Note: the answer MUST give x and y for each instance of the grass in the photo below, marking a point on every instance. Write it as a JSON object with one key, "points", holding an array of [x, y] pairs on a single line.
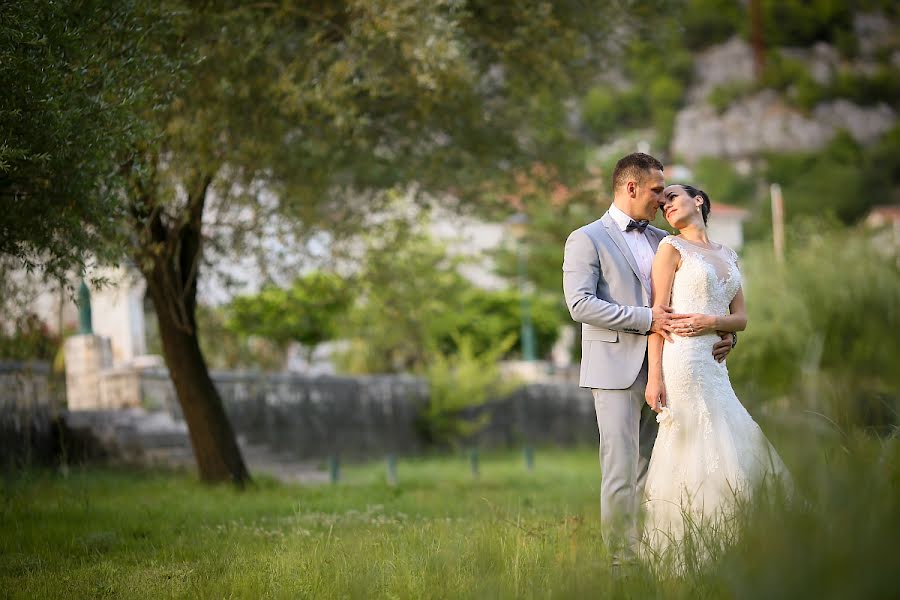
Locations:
{"points": [[437, 534]]}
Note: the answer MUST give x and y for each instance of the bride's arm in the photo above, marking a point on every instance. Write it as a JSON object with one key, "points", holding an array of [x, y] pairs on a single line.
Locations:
{"points": [[665, 263], [697, 324]]}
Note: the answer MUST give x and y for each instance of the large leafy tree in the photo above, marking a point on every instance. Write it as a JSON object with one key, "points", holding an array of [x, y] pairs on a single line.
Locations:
{"points": [[296, 116], [72, 75]]}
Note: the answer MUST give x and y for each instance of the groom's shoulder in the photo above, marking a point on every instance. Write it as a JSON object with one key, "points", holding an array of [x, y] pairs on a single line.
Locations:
{"points": [[585, 238]]}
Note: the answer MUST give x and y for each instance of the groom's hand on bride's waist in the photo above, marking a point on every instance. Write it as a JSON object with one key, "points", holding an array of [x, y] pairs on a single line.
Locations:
{"points": [[662, 321], [723, 346]]}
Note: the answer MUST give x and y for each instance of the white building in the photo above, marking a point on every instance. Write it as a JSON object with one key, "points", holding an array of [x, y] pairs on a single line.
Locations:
{"points": [[726, 225]]}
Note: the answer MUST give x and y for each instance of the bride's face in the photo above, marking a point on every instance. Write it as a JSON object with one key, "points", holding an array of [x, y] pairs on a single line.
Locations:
{"points": [[679, 208]]}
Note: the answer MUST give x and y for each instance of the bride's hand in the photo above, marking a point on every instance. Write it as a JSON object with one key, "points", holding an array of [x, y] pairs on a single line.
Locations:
{"points": [[694, 324], [655, 394]]}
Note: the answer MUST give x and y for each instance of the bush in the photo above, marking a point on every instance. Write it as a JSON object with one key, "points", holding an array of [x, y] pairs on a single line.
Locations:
{"points": [[666, 95], [869, 89], [821, 323], [785, 75], [606, 111], [719, 179], [708, 22], [866, 89], [805, 22], [781, 72], [832, 182], [30, 340], [459, 382], [659, 69], [884, 158], [723, 96], [483, 317]]}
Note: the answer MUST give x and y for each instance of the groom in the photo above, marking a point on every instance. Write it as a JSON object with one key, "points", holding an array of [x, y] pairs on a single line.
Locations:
{"points": [[606, 280]]}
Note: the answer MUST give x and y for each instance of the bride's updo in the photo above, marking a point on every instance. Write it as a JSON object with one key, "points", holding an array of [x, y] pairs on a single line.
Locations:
{"points": [[693, 193]]}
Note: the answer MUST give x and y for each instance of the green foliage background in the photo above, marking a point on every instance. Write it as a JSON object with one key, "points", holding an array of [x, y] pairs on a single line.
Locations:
{"points": [[820, 324], [74, 98]]}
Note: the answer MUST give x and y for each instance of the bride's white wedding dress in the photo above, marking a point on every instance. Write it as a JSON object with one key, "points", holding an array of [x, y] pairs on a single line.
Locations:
{"points": [[709, 450]]}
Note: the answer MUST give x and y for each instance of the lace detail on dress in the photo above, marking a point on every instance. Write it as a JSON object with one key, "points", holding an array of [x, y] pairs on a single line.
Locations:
{"points": [[709, 449]]}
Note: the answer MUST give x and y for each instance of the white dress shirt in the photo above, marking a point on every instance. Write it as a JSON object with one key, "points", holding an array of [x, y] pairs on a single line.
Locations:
{"points": [[637, 243]]}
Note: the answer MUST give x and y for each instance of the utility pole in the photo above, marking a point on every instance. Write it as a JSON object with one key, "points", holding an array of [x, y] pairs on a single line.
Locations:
{"points": [[777, 221], [756, 39]]}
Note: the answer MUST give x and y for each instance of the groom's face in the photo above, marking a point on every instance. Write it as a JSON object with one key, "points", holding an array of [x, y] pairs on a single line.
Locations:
{"points": [[649, 194]]}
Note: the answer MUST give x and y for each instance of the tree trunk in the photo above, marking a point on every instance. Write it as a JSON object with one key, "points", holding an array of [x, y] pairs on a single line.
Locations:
{"points": [[169, 253], [756, 39], [215, 447]]}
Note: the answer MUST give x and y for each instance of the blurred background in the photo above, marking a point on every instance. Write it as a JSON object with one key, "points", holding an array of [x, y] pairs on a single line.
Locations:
{"points": [[303, 229], [270, 243]]}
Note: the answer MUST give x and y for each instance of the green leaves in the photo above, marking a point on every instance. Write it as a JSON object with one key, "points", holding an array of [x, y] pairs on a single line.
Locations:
{"points": [[309, 312], [459, 382], [818, 323], [71, 109]]}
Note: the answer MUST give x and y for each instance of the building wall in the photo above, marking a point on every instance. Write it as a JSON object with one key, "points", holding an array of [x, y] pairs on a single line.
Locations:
{"points": [[726, 230]]}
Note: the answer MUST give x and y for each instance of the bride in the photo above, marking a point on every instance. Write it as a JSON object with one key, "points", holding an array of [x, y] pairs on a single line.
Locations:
{"points": [[709, 452]]}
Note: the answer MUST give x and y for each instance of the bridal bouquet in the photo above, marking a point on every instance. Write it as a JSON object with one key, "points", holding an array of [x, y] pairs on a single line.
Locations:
{"points": [[664, 415]]}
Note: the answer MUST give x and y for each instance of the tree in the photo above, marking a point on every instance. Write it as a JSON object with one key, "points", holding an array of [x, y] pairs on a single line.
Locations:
{"points": [[485, 317], [413, 306], [408, 286], [309, 312], [300, 114], [72, 76], [555, 206]]}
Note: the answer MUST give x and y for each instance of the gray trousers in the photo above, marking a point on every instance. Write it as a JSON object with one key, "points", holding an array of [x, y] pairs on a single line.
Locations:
{"points": [[627, 433]]}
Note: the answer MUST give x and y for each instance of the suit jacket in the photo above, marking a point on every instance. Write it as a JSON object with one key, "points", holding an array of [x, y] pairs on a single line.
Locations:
{"points": [[605, 293]]}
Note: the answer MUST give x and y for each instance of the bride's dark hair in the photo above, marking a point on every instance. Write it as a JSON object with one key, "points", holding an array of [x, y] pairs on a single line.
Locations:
{"points": [[693, 193]]}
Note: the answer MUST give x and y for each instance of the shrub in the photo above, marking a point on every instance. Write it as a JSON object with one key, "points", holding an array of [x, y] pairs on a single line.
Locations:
{"points": [[606, 111], [718, 177], [459, 382], [723, 96], [819, 324], [805, 22], [30, 340], [708, 22], [867, 89]]}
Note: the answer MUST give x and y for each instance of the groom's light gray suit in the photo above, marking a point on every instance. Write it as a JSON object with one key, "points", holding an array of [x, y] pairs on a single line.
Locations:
{"points": [[604, 292]]}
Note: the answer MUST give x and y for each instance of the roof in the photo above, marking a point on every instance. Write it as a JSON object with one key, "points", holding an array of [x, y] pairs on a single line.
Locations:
{"points": [[883, 213]]}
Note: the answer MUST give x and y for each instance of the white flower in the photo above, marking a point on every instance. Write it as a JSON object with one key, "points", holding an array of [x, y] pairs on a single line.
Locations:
{"points": [[663, 415]]}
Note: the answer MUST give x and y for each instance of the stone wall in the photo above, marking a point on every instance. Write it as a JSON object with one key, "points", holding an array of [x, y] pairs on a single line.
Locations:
{"points": [[312, 417], [289, 417], [30, 400]]}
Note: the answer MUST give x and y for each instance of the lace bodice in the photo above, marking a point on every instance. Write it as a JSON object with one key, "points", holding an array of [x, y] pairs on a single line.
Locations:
{"points": [[707, 280]]}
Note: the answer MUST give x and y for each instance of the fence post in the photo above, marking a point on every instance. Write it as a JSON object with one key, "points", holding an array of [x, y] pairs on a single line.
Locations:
{"points": [[392, 469], [529, 458], [334, 468]]}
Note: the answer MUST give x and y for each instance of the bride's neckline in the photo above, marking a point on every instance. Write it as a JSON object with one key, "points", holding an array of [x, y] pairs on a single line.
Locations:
{"points": [[712, 246]]}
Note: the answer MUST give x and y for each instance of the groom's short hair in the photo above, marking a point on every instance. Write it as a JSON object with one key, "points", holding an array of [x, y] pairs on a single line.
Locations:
{"points": [[633, 167]]}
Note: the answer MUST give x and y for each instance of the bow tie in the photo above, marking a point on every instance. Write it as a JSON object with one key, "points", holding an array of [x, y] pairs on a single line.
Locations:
{"points": [[639, 225]]}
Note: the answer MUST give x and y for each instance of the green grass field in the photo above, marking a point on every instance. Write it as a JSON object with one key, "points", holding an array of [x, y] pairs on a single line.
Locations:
{"points": [[437, 534]]}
